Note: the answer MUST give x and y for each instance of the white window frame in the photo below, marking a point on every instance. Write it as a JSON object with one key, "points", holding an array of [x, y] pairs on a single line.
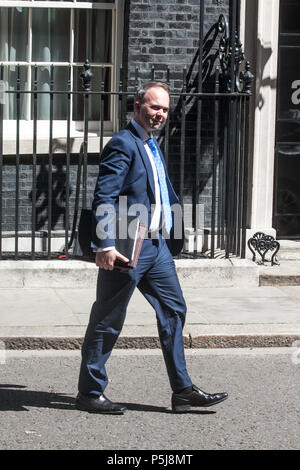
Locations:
{"points": [[59, 127]]}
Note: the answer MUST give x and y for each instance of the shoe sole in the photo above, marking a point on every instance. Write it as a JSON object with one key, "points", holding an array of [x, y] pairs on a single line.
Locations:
{"points": [[95, 411], [183, 408]]}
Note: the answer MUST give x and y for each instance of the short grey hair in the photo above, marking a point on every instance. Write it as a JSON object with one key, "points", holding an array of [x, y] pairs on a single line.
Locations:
{"points": [[144, 87]]}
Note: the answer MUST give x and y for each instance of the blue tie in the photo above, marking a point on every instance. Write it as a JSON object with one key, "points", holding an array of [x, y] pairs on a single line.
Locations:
{"points": [[163, 185]]}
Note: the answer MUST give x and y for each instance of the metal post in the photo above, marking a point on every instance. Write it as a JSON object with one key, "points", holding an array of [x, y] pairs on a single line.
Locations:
{"points": [[86, 76], [215, 160], [50, 163], [18, 99], [245, 182], [120, 101], [67, 211], [34, 159], [1, 160], [182, 140], [167, 128], [199, 112], [102, 109]]}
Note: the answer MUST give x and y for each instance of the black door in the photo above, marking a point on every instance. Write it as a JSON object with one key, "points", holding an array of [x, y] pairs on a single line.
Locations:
{"points": [[286, 218]]}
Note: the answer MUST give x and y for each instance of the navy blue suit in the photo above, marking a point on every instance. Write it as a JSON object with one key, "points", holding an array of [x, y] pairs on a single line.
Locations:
{"points": [[125, 170]]}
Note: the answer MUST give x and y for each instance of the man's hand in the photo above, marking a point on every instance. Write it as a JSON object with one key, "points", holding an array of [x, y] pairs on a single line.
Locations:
{"points": [[106, 259]]}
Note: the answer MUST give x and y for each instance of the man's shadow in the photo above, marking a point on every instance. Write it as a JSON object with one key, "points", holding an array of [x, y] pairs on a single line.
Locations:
{"points": [[161, 409], [17, 398]]}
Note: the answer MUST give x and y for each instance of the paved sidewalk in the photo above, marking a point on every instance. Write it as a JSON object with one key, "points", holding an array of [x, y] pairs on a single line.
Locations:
{"points": [[217, 317], [231, 303]]}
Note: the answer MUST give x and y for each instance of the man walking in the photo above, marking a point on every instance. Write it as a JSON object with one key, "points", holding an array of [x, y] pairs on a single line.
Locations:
{"points": [[132, 167]]}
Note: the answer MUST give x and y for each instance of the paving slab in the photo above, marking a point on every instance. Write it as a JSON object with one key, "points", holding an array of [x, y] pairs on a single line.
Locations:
{"points": [[32, 307], [37, 307]]}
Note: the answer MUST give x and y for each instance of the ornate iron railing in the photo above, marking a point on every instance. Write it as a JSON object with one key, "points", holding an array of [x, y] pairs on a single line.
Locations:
{"points": [[207, 129]]}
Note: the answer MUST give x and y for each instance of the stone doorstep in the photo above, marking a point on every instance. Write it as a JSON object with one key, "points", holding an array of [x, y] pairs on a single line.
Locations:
{"points": [[279, 280], [287, 273], [231, 272], [64, 274], [289, 255], [192, 273]]}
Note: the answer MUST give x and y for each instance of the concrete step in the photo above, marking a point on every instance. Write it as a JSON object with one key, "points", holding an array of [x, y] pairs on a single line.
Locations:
{"points": [[279, 280], [71, 273], [289, 255], [200, 273], [287, 273], [289, 250]]}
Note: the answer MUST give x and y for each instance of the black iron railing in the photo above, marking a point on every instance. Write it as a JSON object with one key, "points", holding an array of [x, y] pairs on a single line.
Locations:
{"points": [[212, 105]]}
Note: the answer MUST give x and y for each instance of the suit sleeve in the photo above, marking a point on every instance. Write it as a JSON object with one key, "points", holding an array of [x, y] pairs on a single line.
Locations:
{"points": [[114, 165]]}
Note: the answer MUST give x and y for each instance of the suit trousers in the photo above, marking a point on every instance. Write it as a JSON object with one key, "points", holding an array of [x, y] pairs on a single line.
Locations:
{"points": [[156, 278]]}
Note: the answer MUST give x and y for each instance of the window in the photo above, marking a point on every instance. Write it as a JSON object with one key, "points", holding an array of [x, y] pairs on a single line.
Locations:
{"points": [[39, 36]]}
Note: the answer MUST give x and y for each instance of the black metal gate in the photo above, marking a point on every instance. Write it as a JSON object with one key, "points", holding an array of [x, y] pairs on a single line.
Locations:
{"points": [[214, 91]]}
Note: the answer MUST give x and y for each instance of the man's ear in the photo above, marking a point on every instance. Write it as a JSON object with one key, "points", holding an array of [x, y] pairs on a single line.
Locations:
{"points": [[137, 106]]}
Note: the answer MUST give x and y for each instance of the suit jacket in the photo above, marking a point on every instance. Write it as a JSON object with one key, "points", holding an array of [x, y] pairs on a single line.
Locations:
{"points": [[126, 182]]}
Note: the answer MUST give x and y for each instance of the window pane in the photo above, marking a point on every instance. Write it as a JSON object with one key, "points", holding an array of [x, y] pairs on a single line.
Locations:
{"points": [[289, 84], [288, 168], [79, 1], [10, 79], [13, 33], [287, 208], [50, 34], [60, 83], [290, 16], [95, 1], [93, 36], [95, 101]]}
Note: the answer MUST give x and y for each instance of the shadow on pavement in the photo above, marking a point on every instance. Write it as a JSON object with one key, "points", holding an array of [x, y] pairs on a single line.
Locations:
{"points": [[18, 398], [159, 409]]}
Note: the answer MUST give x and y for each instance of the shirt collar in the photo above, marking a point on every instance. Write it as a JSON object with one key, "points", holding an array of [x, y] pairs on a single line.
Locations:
{"points": [[141, 131]]}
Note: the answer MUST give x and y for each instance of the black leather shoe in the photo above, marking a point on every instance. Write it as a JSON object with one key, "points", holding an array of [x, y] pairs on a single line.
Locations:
{"points": [[184, 400], [100, 404]]}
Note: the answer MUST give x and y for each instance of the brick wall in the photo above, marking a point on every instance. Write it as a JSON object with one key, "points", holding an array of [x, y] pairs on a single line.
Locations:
{"points": [[59, 178], [165, 33]]}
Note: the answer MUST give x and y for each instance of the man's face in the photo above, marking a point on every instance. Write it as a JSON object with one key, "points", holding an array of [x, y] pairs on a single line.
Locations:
{"points": [[152, 112]]}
